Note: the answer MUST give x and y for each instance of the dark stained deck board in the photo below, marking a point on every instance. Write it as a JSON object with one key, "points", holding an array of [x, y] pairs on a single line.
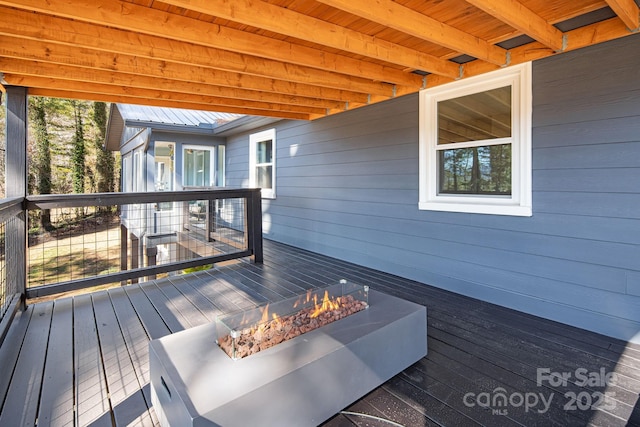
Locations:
{"points": [[183, 305], [9, 353], [495, 376], [24, 391], [223, 297], [57, 388], [189, 288], [474, 347], [91, 393], [136, 340], [153, 324], [125, 390], [226, 296], [171, 316], [528, 361], [258, 294]]}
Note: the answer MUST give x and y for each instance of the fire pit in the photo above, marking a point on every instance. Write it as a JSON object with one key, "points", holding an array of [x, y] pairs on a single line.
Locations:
{"points": [[247, 332], [299, 381]]}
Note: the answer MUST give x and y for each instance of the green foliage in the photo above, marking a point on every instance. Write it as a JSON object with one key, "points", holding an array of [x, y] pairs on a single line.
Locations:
{"points": [[41, 168], [78, 153], [42, 159], [105, 160], [197, 268]]}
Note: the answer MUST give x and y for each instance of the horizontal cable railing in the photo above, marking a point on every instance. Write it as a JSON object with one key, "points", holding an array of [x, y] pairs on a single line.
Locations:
{"points": [[78, 241]]}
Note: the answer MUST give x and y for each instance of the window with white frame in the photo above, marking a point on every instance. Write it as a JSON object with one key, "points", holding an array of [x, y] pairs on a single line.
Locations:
{"points": [[198, 166], [475, 144], [262, 162]]}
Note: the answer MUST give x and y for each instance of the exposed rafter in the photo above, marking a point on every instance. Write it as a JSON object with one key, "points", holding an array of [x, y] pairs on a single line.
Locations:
{"points": [[48, 28], [284, 21], [139, 19], [280, 58], [419, 25], [172, 97], [62, 54], [628, 11], [523, 19], [52, 93]]}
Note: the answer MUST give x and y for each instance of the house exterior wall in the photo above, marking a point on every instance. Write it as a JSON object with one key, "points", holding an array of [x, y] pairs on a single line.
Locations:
{"points": [[180, 139], [141, 220], [348, 188]]}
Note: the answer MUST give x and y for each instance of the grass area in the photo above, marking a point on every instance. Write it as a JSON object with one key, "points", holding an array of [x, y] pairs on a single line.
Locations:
{"points": [[74, 252]]}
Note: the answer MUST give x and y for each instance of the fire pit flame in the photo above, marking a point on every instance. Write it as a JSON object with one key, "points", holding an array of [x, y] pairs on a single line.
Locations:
{"points": [[289, 319], [327, 305]]}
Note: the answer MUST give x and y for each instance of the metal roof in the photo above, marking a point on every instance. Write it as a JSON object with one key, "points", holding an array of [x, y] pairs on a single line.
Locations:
{"points": [[170, 119], [173, 116]]}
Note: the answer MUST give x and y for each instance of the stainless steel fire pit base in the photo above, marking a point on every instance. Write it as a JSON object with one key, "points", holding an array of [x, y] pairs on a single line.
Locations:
{"points": [[300, 382]]}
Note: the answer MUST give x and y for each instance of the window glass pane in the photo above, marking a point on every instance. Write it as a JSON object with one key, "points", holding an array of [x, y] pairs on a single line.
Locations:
{"points": [[476, 170], [263, 176], [197, 168], [138, 176], [479, 116], [164, 171], [219, 179], [127, 174], [264, 151]]}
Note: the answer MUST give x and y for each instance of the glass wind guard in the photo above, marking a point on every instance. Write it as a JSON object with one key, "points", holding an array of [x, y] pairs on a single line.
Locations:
{"points": [[244, 333]]}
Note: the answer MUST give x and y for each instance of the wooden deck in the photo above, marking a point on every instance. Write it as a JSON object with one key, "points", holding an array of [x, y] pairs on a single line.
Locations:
{"points": [[84, 361]]}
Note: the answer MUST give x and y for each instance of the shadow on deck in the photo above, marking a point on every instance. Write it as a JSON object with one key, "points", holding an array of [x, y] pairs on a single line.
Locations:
{"points": [[84, 360]]}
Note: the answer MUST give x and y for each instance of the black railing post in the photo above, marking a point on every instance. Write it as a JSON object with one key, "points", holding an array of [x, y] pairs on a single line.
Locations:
{"points": [[254, 225], [124, 250], [135, 253], [16, 184]]}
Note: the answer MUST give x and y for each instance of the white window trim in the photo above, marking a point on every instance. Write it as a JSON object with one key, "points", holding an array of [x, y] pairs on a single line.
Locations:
{"points": [[519, 203], [267, 193], [171, 166]]}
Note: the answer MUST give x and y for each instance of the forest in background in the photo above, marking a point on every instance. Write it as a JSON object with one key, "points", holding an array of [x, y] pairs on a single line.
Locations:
{"points": [[66, 151]]}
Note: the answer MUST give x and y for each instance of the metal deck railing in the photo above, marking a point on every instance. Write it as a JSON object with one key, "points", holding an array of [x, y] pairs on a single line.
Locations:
{"points": [[92, 240]]}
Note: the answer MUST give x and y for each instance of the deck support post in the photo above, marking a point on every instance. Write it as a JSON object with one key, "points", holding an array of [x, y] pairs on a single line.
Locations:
{"points": [[135, 254], [16, 185], [124, 244], [253, 216], [152, 253]]}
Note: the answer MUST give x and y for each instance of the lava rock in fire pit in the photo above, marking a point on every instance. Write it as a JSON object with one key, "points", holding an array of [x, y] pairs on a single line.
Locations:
{"points": [[267, 334]]}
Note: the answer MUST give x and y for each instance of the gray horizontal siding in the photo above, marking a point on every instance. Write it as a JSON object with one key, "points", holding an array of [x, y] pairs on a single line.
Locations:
{"points": [[347, 186]]}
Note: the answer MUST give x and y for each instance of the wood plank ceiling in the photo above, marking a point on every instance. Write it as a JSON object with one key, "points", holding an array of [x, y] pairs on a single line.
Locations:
{"points": [[297, 59]]}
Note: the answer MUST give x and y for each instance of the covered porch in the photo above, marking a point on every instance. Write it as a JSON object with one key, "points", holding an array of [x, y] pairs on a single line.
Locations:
{"points": [[83, 360], [342, 81]]}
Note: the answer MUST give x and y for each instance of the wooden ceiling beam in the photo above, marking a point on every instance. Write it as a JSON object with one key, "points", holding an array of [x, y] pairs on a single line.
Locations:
{"points": [[98, 88], [70, 73], [515, 14], [401, 18], [147, 21], [280, 20], [85, 96], [579, 38], [628, 11], [60, 54], [45, 28]]}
